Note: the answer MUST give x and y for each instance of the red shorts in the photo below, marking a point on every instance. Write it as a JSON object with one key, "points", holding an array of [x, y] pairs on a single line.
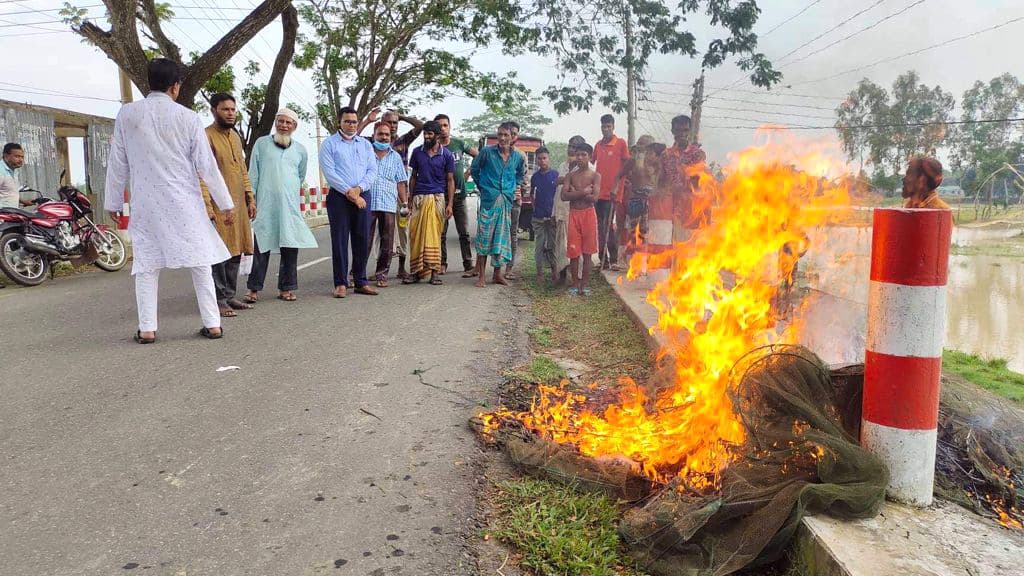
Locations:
{"points": [[582, 233]]}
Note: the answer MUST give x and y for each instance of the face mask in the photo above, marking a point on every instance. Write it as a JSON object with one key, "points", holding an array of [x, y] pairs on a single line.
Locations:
{"points": [[381, 145]]}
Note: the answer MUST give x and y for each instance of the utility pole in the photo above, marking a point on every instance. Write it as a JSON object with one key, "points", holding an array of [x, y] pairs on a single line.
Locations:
{"points": [[319, 138], [696, 104], [630, 78], [126, 86]]}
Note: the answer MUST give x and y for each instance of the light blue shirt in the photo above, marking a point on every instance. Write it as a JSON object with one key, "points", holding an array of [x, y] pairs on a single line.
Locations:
{"points": [[9, 194], [495, 176], [348, 163], [384, 193]]}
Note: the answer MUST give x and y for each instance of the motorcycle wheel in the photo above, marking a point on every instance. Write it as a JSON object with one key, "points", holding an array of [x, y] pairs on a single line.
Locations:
{"points": [[113, 258], [24, 267]]}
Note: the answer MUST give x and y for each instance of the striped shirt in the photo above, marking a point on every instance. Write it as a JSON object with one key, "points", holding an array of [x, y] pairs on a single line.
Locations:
{"points": [[384, 192]]}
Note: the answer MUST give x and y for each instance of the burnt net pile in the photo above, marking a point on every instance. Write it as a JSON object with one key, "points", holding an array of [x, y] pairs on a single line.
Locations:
{"points": [[799, 457]]}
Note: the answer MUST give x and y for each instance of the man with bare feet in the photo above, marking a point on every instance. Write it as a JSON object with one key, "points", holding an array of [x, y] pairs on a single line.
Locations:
{"points": [[579, 190], [498, 170]]}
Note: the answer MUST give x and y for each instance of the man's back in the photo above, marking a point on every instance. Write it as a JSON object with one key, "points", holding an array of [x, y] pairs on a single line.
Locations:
{"points": [[159, 136]]}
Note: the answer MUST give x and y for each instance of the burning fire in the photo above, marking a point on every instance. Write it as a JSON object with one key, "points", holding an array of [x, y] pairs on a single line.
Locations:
{"points": [[715, 306]]}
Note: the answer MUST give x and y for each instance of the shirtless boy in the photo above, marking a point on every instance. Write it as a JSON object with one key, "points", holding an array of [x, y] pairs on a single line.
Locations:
{"points": [[580, 190]]}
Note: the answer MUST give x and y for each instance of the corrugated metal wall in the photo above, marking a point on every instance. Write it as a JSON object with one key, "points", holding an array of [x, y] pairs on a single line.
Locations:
{"points": [[34, 131], [97, 150]]}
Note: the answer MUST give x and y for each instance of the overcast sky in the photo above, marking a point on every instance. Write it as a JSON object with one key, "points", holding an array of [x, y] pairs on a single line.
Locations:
{"points": [[41, 60]]}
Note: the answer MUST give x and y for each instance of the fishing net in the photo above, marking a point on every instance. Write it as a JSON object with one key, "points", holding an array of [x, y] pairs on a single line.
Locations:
{"points": [[801, 456], [979, 460], [798, 458]]}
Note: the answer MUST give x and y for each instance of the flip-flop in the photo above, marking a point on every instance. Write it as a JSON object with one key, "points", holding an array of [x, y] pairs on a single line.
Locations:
{"points": [[436, 282], [250, 299], [288, 298], [205, 333], [469, 274], [141, 340], [410, 281], [382, 283], [228, 313], [236, 305]]}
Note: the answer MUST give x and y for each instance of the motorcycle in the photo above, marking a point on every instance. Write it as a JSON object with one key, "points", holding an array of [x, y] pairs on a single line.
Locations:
{"points": [[58, 230]]}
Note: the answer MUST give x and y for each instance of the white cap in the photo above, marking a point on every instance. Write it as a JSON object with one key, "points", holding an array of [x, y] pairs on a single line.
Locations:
{"points": [[288, 113]]}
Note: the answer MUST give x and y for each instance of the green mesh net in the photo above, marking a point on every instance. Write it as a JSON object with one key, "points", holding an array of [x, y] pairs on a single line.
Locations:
{"points": [[801, 457]]}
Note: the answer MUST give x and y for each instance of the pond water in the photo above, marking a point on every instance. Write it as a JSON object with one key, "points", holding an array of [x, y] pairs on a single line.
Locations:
{"points": [[984, 298]]}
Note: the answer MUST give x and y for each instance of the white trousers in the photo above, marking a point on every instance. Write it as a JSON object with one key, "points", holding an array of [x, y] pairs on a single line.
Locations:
{"points": [[147, 286]]}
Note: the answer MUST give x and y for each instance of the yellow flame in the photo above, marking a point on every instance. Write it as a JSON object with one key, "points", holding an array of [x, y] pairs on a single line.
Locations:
{"points": [[715, 306]]}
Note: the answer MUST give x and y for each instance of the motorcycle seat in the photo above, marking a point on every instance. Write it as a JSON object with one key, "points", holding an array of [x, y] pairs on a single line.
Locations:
{"points": [[20, 212]]}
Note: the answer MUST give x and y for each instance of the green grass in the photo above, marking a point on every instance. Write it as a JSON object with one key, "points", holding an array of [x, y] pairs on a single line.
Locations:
{"points": [[541, 336], [991, 374], [1012, 247], [967, 214], [561, 532], [541, 370], [595, 329]]}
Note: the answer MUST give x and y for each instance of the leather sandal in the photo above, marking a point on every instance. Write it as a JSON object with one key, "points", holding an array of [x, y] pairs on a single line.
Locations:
{"points": [[206, 333]]}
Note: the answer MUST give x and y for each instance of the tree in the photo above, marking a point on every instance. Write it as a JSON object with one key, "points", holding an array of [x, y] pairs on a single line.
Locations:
{"points": [[915, 103], [257, 104], [593, 42], [366, 53], [130, 18], [984, 149], [892, 127], [557, 153], [866, 104], [525, 112]]}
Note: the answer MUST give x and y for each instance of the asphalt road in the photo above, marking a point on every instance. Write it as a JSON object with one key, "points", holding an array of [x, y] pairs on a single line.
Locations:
{"points": [[321, 454]]}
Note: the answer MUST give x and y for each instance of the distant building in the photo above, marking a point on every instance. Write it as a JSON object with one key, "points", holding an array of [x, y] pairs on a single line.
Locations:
{"points": [[43, 132]]}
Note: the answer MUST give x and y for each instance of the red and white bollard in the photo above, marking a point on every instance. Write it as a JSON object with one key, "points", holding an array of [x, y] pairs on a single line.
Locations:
{"points": [[302, 201], [312, 201], [659, 236], [905, 334]]}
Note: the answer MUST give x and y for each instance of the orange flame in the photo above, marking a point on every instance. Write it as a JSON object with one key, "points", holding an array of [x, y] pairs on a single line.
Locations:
{"points": [[715, 306]]}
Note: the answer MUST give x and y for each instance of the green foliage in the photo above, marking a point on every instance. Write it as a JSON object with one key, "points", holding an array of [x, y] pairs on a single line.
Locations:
{"points": [[73, 15], [558, 152], [222, 81], [523, 111], [889, 142], [366, 54], [560, 531], [593, 41], [991, 374], [985, 148], [888, 184]]}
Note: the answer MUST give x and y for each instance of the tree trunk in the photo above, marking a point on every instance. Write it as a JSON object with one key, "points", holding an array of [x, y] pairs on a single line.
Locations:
{"points": [[122, 45], [261, 126]]}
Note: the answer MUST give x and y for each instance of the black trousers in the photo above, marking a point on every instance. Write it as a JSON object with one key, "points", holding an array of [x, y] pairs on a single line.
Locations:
{"points": [[607, 240], [462, 226], [225, 279], [348, 223], [384, 223], [287, 273]]}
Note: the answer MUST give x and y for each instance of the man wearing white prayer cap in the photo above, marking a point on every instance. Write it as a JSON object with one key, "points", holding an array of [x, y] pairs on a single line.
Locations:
{"points": [[277, 170]]}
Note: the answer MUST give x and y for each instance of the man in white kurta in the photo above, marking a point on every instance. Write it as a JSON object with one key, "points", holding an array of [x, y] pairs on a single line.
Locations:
{"points": [[158, 150]]}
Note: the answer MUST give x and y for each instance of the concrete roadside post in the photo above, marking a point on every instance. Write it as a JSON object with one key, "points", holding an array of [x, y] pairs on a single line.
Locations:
{"points": [[905, 335], [657, 246]]}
